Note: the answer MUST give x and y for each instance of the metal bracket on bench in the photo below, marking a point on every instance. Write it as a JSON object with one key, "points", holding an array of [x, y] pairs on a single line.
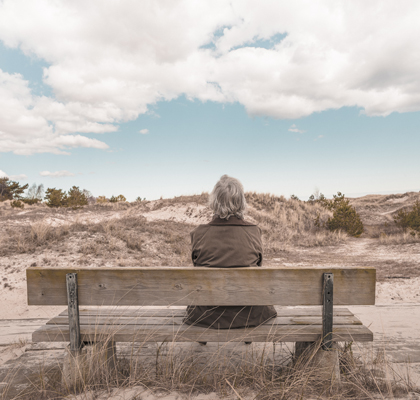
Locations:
{"points": [[73, 306], [327, 310]]}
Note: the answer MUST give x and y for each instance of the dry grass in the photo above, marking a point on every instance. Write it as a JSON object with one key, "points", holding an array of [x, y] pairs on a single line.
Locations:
{"points": [[226, 369], [288, 222], [182, 200], [156, 243], [399, 238]]}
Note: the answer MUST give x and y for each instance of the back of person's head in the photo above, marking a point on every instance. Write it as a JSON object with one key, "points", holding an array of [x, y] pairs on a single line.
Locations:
{"points": [[228, 198]]}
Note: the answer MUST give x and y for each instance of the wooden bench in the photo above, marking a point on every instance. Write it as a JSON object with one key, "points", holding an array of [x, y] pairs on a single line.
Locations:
{"points": [[113, 289]]}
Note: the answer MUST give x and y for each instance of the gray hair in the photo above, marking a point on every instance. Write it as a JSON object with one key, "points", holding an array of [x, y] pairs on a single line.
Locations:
{"points": [[228, 198]]}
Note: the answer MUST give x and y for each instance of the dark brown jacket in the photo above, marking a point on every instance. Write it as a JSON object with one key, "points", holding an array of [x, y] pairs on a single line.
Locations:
{"points": [[227, 244]]}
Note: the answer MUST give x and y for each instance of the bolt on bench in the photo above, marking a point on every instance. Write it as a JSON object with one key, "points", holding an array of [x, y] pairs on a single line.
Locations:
{"points": [[113, 289]]}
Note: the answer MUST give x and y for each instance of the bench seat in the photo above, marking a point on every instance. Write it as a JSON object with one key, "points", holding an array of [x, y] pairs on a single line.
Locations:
{"points": [[296, 324]]}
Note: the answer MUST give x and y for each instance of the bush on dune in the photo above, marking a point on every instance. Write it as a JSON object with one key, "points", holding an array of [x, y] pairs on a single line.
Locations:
{"points": [[76, 198], [409, 219], [101, 200], [11, 190], [56, 197], [17, 204], [344, 216], [117, 199]]}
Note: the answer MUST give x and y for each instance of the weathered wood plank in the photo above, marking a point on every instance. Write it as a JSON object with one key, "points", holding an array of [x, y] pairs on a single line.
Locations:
{"points": [[198, 285], [141, 321], [265, 333], [121, 311], [159, 312]]}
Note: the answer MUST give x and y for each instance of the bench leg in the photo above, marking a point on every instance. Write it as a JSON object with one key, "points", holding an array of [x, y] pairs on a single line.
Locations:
{"points": [[93, 363], [303, 350], [323, 365], [74, 369]]}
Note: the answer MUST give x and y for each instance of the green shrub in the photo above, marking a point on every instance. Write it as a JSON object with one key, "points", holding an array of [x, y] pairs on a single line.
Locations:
{"points": [[56, 197], [17, 204], [76, 198], [409, 219], [101, 200], [10, 190], [114, 199], [317, 198], [344, 216], [30, 201]]}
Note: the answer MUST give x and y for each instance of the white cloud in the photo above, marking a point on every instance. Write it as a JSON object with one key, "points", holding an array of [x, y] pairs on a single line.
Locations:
{"points": [[31, 124], [57, 174], [294, 128], [108, 61], [144, 131], [319, 137], [20, 177]]}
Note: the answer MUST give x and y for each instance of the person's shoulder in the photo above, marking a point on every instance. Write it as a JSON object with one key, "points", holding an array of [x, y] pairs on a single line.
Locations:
{"points": [[254, 228], [200, 230]]}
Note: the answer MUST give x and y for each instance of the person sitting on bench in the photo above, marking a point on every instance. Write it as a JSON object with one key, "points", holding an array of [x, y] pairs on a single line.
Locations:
{"points": [[227, 241]]}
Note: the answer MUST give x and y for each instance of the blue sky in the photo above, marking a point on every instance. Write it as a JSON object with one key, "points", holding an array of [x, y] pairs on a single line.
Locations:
{"points": [[234, 101]]}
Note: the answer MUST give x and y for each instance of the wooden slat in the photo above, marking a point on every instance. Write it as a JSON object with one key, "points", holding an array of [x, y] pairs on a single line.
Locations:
{"points": [[199, 285], [120, 311], [131, 333], [141, 321], [159, 312]]}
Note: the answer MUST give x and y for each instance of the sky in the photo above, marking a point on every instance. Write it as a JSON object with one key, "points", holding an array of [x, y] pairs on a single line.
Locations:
{"points": [[159, 98]]}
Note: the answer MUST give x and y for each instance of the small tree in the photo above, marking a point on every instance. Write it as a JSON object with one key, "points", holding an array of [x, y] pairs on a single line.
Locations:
{"points": [[114, 199], [56, 197], [317, 198], [344, 217], [10, 190], [101, 200], [17, 204], [409, 219], [76, 198]]}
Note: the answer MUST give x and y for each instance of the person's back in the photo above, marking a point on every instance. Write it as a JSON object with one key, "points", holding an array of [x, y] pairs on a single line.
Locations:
{"points": [[228, 241]]}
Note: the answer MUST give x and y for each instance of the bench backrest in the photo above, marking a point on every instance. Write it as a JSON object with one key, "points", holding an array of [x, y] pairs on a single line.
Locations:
{"points": [[162, 286]]}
